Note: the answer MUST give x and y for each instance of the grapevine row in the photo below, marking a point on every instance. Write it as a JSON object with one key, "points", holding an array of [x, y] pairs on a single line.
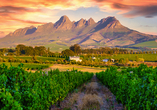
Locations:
{"points": [[134, 87], [22, 90]]}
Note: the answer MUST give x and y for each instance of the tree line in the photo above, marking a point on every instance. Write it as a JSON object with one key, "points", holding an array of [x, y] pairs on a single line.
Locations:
{"points": [[76, 50], [73, 50]]}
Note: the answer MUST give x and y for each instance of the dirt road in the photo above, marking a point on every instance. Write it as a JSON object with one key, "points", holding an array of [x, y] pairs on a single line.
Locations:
{"points": [[90, 96]]}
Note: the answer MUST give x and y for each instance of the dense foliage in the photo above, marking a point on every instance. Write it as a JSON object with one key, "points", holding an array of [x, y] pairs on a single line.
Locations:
{"points": [[134, 87], [20, 89]]}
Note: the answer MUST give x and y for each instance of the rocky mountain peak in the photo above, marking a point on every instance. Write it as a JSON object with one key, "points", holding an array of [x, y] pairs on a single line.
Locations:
{"points": [[63, 23], [81, 22], [64, 19], [109, 22], [90, 21], [108, 19]]}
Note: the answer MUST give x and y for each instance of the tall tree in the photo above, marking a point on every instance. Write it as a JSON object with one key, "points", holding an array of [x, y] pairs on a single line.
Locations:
{"points": [[29, 51], [48, 51], [67, 53], [76, 48], [20, 49]]}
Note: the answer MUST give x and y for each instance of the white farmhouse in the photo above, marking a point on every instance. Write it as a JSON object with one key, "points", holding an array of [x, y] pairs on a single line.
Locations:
{"points": [[75, 58]]}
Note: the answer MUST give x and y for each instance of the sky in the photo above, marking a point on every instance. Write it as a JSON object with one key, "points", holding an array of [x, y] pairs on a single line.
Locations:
{"points": [[140, 15]]}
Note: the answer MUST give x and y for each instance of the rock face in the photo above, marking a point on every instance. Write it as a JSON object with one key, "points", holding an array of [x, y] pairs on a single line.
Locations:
{"points": [[108, 31], [45, 27], [90, 21], [80, 23], [63, 23], [24, 31]]}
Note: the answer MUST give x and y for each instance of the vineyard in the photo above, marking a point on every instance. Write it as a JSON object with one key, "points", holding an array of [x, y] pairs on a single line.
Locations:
{"points": [[134, 87], [22, 90]]}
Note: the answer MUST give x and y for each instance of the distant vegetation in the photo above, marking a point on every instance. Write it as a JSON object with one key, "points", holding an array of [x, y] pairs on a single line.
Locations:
{"points": [[27, 66], [41, 55]]}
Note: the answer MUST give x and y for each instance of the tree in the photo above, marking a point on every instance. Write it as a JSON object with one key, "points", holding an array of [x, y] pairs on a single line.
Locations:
{"points": [[75, 48], [41, 50], [29, 51], [127, 61], [131, 52], [67, 53], [34, 58], [137, 59], [20, 49], [48, 51]]}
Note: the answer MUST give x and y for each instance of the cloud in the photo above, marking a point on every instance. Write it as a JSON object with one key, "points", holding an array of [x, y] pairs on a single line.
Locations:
{"points": [[129, 8], [36, 3], [7, 10], [146, 26], [146, 11], [12, 9], [10, 13], [28, 21], [2, 34], [120, 6]]}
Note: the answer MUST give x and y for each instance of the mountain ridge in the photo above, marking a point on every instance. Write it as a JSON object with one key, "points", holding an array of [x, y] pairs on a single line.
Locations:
{"points": [[88, 33]]}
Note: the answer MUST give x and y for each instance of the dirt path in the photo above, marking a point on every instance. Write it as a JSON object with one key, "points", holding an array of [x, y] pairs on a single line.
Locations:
{"points": [[90, 96]]}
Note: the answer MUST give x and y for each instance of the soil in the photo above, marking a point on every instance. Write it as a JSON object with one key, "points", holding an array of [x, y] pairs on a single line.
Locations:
{"points": [[92, 95]]}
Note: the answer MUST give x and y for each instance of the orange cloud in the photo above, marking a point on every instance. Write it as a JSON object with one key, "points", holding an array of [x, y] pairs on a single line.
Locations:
{"points": [[2, 34], [131, 8]]}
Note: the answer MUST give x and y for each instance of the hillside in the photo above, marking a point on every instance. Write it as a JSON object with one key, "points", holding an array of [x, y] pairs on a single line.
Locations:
{"points": [[87, 33]]}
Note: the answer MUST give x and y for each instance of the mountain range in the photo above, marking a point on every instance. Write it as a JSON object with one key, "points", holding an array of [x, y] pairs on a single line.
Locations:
{"points": [[87, 33]]}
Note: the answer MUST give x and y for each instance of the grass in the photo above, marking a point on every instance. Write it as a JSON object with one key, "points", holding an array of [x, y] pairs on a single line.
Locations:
{"points": [[92, 88], [90, 101], [55, 47], [27, 65], [147, 57], [149, 44], [30, 57]]}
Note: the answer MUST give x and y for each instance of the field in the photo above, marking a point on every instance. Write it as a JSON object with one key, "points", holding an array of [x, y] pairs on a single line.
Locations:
{"points": [[147, 57], [56, 47], [30, 57], [149, 44], [76, 67], [28, 65]]}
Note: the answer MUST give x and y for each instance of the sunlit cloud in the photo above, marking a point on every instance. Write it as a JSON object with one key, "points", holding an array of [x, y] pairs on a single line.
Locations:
{"points": [[2, 34]]}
